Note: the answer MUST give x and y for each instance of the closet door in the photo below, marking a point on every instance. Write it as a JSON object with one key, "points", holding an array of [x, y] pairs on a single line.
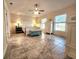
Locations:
{"points": [[72, 43], [71, 39], [73, 35]]}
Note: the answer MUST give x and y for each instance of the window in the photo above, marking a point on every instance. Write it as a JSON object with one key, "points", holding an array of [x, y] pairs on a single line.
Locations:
{"points": [[60, 23], [43, 21]]}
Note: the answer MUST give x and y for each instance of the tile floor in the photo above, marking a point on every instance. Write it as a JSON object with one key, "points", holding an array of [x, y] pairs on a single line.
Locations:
{"points": [[41, 47]]}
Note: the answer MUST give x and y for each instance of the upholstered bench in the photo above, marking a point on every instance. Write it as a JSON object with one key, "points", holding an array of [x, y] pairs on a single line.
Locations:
{"points": [[34, 33]]}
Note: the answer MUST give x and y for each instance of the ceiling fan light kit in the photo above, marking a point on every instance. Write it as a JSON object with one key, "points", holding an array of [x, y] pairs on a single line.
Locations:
{"points": [[36, 12]]}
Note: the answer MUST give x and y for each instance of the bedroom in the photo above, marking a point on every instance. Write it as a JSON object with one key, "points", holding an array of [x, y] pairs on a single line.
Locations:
{"points": [[42, 24]]}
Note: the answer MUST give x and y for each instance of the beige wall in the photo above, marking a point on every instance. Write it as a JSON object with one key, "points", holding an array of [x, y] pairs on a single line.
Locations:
{"points": [[70, 10], [6, 27], [26, 21], [13, 20], [4, 37]]}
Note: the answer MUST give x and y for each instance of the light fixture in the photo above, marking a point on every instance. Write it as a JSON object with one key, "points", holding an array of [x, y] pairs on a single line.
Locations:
{"points": [[18, 23], [36, 8], [36, 12]]}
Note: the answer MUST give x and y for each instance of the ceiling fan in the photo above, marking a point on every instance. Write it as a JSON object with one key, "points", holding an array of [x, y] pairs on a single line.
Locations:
{"points": [[36, 11]]}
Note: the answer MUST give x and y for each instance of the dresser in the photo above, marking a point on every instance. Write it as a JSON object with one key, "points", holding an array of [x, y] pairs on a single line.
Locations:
{"points": [[19, 30]]}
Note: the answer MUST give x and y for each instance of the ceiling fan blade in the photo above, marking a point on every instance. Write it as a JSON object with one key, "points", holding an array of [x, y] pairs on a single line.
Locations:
{"points": [[41, 10], [30, 10]]}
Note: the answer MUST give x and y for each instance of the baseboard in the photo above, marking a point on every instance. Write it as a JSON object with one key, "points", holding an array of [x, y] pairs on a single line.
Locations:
{"points": [[4, 50]]}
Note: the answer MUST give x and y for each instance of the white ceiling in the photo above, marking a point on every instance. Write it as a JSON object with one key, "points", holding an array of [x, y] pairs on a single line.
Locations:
{"points": [[22, 6]]}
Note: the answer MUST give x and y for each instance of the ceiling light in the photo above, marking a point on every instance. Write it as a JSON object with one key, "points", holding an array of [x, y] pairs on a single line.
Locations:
{"points": [[36, 12], [36, 8]]}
